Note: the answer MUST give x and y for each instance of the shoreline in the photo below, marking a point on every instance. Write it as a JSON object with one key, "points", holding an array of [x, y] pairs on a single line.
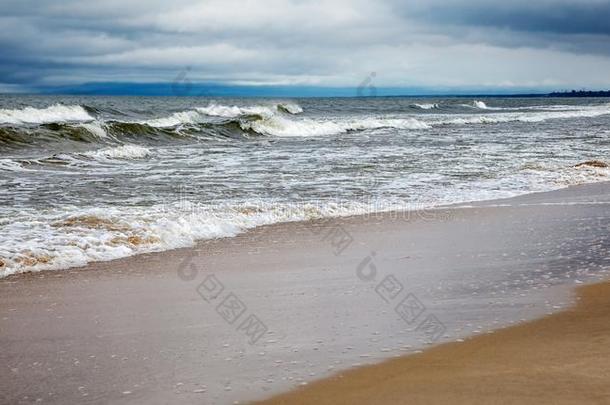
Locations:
{"points": [[402, 214], [559, 359], [452, 372], [137, 329]]}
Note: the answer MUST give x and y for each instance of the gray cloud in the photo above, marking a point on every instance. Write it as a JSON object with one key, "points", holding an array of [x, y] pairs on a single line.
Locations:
{"points": [[553, 16], [453, 43]]}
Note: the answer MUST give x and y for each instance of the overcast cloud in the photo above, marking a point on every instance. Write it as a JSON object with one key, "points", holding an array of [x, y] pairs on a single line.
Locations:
{"points": [[436, 44]]}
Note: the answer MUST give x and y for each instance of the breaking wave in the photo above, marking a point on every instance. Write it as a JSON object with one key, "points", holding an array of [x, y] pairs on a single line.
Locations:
{"points": [[290, 108], [538, 116], [62, 240], [59, 239], [11, 165], [120, 152], [281, 127], [479, 104], [78, 203], [21, 128], [52, 114], [425, 106], [179, 118], [199, 114]]}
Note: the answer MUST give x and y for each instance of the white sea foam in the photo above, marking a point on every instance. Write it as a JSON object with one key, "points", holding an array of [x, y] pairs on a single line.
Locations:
{"points": [[215, 110], [271, 122], [548, 174], [375, 123], [425, 106], [11, 165], [120, 152], [283, 127], [57, 113], [95, 128], [554, 107], [537, 116], [55, 239], [179, 118], [60, 240], [199, 114], [290, 108], [479, 104]]}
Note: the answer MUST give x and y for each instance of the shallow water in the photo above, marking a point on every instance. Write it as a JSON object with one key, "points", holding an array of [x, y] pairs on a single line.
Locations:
{"points": [[96, 178]]}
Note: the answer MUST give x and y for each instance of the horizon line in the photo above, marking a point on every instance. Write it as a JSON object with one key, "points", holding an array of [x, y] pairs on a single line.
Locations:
{"points": [[188, 89]]}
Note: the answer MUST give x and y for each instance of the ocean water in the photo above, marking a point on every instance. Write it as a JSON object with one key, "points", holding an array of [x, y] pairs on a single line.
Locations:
{"points": [[97, 178]]}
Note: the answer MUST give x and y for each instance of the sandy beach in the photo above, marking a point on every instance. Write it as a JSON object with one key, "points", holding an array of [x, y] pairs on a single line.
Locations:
{"points": [[304, 202], [560, 359], [313, 299]]}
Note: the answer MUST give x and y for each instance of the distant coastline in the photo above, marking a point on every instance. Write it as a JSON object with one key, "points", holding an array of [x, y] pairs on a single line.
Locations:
{"points": [[581, 93]]}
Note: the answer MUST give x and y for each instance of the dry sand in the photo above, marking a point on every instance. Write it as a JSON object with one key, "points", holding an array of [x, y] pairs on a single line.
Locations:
{"points": [[561, 359]]}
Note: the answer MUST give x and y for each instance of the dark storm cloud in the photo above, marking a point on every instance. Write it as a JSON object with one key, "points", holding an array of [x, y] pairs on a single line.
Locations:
{"points": [[455, 43], [560, 17]]}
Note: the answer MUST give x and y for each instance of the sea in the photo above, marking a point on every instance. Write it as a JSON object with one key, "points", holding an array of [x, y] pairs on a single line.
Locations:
{"points": [[96, 178]]}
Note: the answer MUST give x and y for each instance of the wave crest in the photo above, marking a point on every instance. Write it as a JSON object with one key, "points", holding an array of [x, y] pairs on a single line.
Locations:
{"points": [[495, 118], [289, 108], [425, 106], [120, 152], [64, 240], [479, 104], [282, 127], [57, 113], [199, 114]]}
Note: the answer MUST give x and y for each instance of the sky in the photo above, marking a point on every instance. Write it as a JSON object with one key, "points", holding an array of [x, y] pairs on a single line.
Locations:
{"points": [[414, 45]]}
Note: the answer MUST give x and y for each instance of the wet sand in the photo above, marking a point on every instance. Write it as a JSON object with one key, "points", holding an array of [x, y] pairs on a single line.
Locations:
{"points": [[560, 359], [145, 330]]}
